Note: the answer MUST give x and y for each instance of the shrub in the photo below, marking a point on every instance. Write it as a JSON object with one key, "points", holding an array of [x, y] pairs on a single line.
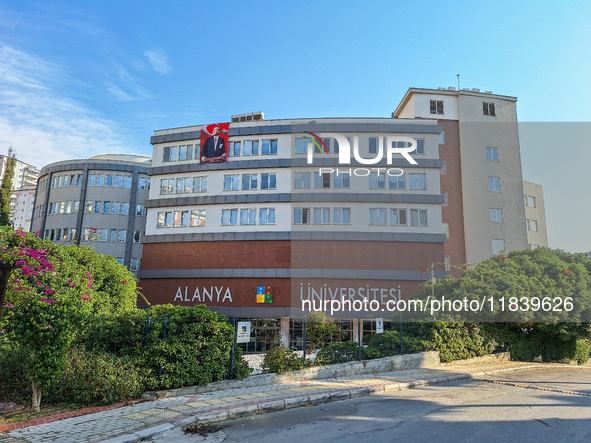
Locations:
{"points": [[280, 359], [458, 340], [370, 353], [338, 353], [97, 378], [321, 329], [196, 349], [582, 352], [388, 343], [14, 383]]}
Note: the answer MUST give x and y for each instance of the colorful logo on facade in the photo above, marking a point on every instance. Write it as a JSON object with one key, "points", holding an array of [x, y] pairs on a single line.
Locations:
{"points": [[317, 141]]}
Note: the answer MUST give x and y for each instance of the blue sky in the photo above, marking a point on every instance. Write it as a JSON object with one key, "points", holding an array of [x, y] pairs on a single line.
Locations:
{"points": [[79, 79]]}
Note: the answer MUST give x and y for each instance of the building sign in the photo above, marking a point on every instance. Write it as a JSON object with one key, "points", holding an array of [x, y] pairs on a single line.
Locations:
{"points": [[214, 143], [243, 332], [264, 294], [219, 294], [379, 325]]}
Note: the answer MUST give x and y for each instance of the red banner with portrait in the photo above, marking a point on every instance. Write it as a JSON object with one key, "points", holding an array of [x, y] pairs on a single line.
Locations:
{"points": [[214, 143]]}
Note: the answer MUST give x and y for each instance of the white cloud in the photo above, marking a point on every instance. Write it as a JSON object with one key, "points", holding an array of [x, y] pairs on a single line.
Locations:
{"points": [[43, 125], [159, 61]]}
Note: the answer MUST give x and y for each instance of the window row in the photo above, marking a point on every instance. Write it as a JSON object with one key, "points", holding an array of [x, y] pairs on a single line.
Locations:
{"points": [[88, 234], [112, 207], [118, 181], [377, 216], [179, 219], [249, 182], [412, 181], [183, 185], [65, 207], [235, 149], [332, 145], [529, 200], [248, 216], [62, 181]]}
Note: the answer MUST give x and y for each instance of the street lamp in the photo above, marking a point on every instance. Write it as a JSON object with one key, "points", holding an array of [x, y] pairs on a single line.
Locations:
{"points": [[5, 270]]}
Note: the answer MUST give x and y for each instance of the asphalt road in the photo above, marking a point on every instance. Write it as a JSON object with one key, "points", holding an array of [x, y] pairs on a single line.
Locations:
{"points": [[492, 409]]}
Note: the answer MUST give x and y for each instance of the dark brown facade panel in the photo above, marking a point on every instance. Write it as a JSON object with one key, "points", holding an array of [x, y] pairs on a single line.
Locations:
{"points": [[328, 254], [451, 183]]}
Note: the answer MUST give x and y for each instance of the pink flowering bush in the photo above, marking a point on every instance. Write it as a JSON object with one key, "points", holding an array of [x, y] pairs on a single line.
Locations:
{"points": [[53, 293]]}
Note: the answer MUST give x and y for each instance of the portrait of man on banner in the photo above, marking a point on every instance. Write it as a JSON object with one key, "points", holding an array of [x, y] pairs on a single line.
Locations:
{"points": [[214, 143]]}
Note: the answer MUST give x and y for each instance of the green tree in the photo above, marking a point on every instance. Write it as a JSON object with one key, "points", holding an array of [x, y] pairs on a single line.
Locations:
{"points": [[321, 330], [537, 302], [6, 188], [52, 294]]}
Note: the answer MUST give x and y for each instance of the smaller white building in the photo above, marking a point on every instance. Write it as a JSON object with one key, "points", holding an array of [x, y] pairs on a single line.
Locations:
{"points": [[22, 208]]}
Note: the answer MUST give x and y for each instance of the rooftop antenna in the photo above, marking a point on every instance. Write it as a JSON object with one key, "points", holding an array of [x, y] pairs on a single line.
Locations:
{"points": [[458, 76]]}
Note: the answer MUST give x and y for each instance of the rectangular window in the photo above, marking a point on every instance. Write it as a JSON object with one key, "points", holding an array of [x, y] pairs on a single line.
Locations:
{"points": [[124, 208], [139, 209], [65, 235], [321, 216], [231, 182], [134, 264], [417, 181], [62, 207], [397, 181], [198, 217], [447, 262], [180, 219], [235, 148], [121, 235], [420, 146], [166, 186], [267, 216], [161, 221], [248, 216], [492, 154], [533, 225], [103, 234], [249, 181], [342, 216], [251, 147], [498, 246], [183, 185], [229, 217], [322, 180], [120, 260], [107, 208], [436, 106], [127, 182], [66, 180], [100, 180], [197, 151], [142, 183], [494, 184], [301, 216], [488, 109], [115, 207], [301, 146], [418, 217], [269, 147], [268, 181], [373, 145], [531, 201], [199, 184], [398, 216], [377, 216], [98, 207], [137, 236], [118, 181], [109, 180], [185, 152], [92, 180], [342, 180], [76, 207], [496, 215], [301, 180], [377, 180]]}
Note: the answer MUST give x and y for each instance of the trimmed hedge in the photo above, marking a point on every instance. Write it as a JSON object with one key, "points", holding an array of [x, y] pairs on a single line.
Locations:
{"points": [[196, 349], [280, 359]]}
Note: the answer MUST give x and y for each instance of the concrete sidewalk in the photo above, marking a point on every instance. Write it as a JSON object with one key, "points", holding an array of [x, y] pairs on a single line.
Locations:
{"points": [[145, 419]]}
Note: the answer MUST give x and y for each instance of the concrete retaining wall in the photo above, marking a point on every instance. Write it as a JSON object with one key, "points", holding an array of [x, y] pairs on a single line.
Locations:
{"points": [[428, 359]]}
